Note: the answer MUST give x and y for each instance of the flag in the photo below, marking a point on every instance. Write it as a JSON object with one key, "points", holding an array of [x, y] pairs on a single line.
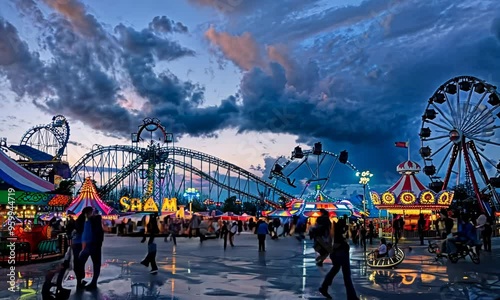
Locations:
{"points": [[402, 144]]}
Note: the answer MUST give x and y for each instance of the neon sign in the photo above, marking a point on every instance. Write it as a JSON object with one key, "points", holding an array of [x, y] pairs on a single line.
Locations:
{"points": [[135, 204]]}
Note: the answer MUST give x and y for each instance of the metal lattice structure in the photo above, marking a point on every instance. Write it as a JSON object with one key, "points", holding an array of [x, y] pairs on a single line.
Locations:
{"points": [[50, 138], [319, 163], [119, 168], [459, 127]]}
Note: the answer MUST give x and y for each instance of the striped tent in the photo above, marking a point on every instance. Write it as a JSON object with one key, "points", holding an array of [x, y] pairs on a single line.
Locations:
{"points": [[20, 178], [88, 197]]}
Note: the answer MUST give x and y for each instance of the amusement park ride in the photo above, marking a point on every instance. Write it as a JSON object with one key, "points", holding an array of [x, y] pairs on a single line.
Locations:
{"points": [[457, 142], [154, 165], [458, 137], [42, 150], [319, 163]]}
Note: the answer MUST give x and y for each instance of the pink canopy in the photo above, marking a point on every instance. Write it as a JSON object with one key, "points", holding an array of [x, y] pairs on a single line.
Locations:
{"points": [[20, 178], [88, 197]]}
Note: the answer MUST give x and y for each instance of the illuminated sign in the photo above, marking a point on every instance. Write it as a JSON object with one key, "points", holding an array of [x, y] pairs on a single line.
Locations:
{"points": [[135, 204]]}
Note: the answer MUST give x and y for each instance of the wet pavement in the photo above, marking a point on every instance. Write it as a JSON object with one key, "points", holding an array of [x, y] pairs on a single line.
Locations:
{"points": [[286, 271]]}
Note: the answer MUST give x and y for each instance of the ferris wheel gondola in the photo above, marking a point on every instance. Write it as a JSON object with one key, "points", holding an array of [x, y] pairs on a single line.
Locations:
{"points": [[458, 131]]}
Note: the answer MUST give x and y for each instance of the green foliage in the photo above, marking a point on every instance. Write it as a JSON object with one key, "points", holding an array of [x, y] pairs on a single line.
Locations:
{"points": [[250, 208], [65, 187], [198, 206], [231, 206]]}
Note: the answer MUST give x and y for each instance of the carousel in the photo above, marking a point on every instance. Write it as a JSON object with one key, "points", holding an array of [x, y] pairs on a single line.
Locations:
{"points": [[408, 197]]}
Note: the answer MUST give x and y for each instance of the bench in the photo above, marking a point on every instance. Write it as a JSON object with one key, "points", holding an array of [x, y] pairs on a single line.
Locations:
{"points": [[48, 247]]}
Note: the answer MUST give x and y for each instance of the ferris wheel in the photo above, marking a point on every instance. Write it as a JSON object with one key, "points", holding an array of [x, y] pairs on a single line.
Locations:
{"points": [[459, 141], [320, 165]]}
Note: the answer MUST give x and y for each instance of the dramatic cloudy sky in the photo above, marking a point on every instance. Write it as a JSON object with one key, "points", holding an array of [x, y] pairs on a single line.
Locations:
{"points": [[242, 80]]}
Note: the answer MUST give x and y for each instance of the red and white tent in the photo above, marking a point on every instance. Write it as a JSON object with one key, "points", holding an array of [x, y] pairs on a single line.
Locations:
{"points": [[409, 195], [408, 181]]}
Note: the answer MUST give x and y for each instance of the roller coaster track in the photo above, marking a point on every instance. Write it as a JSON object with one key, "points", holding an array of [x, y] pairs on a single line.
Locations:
{"points": [[165, 155]]}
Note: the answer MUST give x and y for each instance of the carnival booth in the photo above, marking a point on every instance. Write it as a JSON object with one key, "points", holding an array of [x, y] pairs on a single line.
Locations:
{"points": [[409, 198]]}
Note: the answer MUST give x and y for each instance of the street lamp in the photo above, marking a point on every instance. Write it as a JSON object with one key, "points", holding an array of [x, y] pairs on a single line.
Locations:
{"points": [[364, 178]]}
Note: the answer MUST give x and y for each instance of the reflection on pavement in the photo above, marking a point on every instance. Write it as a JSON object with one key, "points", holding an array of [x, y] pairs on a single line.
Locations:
{"points": [[286, 270]]}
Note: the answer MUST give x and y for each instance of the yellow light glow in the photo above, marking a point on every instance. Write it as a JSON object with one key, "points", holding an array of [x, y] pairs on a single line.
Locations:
{"points": [[427, 197], [375, 198], [407, 198], [388, 198]]}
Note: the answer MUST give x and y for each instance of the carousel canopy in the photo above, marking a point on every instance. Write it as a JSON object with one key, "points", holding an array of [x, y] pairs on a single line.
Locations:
{"points": [[20, 178], [88, 197], [408, 195]]}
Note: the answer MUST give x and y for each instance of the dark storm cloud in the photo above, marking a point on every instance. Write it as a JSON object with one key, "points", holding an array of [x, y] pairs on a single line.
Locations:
{"points": [[18, 64], [495, 28], [376, 66], [164, 25], [356, 75], [145, 42], [89, 67]]}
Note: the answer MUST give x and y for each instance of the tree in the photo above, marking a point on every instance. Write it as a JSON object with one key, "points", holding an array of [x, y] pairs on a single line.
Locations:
{"points": [[65, 187], [250, 208], [231, 206], [197, 205]]}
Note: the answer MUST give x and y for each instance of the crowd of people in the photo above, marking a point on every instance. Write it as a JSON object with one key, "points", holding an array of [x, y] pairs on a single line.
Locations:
{"points": [[330, 239]]}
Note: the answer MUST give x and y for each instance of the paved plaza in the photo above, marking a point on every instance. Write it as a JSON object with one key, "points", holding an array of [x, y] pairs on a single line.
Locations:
{"points": [[286, 271]]}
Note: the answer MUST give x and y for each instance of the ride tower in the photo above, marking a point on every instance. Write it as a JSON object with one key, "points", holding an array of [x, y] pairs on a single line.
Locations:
{"points": [[156, 173]]}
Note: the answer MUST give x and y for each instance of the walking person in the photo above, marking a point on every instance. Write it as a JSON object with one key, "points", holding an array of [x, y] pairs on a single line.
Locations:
{"points": [[421, 228], [486, 234], [224, 231], [92, 238], [371, 232], [173, 229], [76, 247], [232, 233], [150, 258], [322, 237], [195, 225], [396, 228], [262, 231], [340, 259], [240, 226], [362, 236]]}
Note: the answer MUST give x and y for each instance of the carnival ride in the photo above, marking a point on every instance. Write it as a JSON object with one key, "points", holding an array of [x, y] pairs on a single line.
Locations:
{"points": [[155, 165], [320, 165], [457, 133], [408, 196], [42, 149], [385, 262]]}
